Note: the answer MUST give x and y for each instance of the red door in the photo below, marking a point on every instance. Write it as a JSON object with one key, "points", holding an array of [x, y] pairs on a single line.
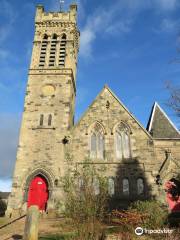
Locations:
{"points": [[38, 193]]}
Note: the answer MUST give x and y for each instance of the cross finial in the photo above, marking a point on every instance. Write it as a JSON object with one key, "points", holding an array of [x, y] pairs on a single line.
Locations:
{"points": [[61, 2]]}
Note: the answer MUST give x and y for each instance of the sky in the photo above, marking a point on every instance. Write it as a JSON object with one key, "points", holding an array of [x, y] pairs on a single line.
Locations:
{"points": [[131, 45]]}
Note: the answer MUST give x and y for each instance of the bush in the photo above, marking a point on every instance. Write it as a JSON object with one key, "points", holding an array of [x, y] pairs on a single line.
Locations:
{"points": [[85, 203], [156, 213]]}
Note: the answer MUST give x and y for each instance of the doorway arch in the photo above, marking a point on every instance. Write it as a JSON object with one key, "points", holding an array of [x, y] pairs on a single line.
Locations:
{"points": [[38, 192]]}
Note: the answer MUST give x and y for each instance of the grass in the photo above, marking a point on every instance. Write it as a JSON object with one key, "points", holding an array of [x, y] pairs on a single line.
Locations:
{"points": [[66, 236], [3, 220]]}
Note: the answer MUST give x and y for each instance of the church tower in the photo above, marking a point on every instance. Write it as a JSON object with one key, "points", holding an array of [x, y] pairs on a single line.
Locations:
{"points": [[48, 109]]}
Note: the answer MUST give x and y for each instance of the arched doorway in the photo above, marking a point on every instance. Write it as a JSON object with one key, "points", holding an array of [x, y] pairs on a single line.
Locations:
{"points": [[38, 192]]}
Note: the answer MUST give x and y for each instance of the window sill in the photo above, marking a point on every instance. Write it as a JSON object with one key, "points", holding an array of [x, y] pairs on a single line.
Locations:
{"points": [[52, 128]]}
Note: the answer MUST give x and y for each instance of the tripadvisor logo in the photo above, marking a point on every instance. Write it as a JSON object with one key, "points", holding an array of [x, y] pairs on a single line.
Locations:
{"points": [[139, 231]]}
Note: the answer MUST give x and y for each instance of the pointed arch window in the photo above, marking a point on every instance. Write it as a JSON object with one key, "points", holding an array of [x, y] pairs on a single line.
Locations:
{"points": [[43, 51], [52, 55], [122, 142], [97, 142], [140, 186], [126, 186], [62, 51], [111, 187]]}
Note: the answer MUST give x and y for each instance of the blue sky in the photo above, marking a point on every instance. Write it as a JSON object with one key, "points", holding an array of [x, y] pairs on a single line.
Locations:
{"points": [[130, 45]]}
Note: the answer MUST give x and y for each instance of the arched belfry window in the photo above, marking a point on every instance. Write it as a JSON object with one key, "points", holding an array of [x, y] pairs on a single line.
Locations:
{"points": [[140, 186], [97, 142], [122, 142], [52, 55], [62, 51], [43, 52], [125, 186]]}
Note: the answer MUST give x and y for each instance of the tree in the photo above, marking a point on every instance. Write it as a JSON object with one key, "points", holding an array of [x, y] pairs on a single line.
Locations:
{"points": [[174, 99], [85, 198]]}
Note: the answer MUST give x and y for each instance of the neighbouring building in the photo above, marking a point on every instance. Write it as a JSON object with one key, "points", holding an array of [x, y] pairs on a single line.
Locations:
{"points": [[138, 160]]}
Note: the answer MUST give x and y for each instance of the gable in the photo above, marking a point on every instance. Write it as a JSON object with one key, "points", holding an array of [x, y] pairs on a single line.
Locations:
{"points": [[108, 103], [160, 126]]}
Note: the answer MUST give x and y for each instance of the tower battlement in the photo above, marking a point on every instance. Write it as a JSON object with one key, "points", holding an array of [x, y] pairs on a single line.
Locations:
{"points": [[69, 16]]}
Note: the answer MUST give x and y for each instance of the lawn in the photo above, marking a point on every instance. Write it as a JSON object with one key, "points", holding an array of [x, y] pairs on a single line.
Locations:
{"points": [[56, 237], [3, 220]]}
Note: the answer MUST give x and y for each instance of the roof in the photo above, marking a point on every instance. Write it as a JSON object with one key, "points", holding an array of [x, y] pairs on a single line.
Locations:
{"points": [[4, 195], [159, 124]]}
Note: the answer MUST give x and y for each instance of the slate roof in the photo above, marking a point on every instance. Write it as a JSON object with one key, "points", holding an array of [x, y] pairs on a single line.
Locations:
{"points": [[4, 195], [159, 124]]}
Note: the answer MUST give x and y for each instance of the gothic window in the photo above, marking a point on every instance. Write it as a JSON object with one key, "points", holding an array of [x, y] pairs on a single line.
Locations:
{"points": [[97, 142], [62, 51], [49, 120], [125, 186], [122, 142], [111, 188], [52, 55], [140, 186], [41, 120], [43, 51], [96, 186]]}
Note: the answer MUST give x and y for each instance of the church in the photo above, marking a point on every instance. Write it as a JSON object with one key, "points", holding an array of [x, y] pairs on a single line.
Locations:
{"points": [[138, 161]]}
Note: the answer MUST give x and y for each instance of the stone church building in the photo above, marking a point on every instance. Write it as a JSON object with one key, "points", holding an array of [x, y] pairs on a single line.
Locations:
{"points": [[138, 160]]}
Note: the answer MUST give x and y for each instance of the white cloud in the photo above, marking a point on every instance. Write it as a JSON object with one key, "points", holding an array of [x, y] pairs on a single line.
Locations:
{"points": [[8, 15], [119, 18], [87, 37], [4, 54], [167, 5], [103, 21], [5, 185], [169, 25], [9, 130], [119, 27]]}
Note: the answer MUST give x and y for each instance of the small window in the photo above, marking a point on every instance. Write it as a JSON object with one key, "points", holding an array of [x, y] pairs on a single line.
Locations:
{"points": [[140, 186], [125, 186], [49, 120], [41, 120], [111, 188]]}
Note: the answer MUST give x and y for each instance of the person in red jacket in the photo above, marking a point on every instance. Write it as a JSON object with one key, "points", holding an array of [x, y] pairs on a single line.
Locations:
{"points": [[172, 188]]}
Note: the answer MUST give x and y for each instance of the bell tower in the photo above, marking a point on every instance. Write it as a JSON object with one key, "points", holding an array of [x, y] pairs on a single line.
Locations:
{"points": [[49, 106]]}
